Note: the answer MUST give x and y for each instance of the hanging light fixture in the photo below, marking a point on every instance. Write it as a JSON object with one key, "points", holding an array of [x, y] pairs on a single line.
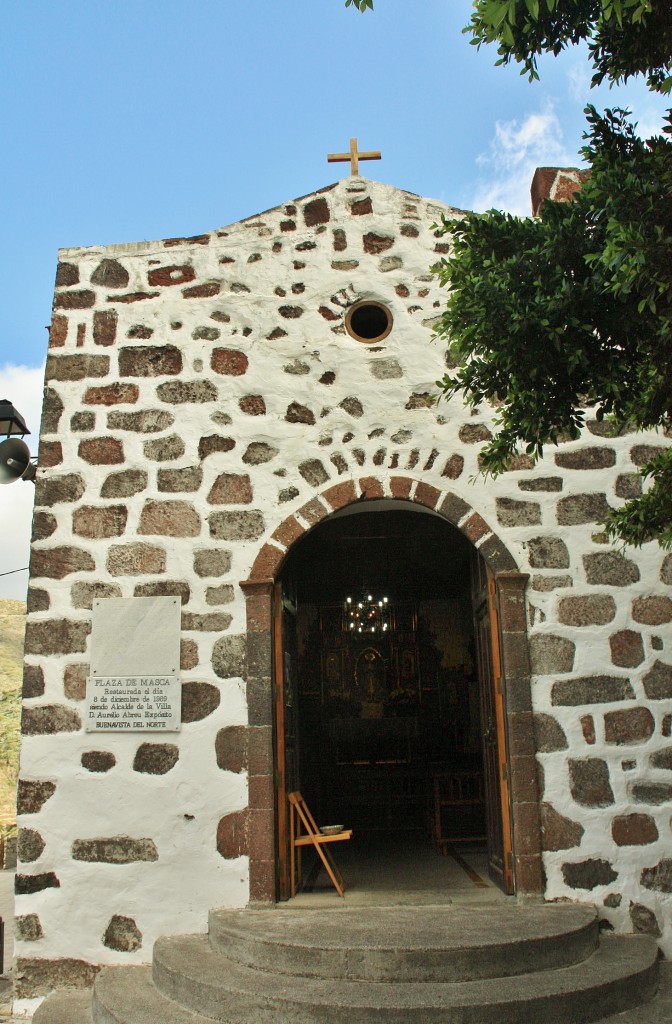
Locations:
{"points": [[366, 614], [15, 458], [11, 421]]}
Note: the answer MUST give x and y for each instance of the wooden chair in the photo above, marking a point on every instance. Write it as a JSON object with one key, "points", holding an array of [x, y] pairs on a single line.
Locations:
{"points": [[300, 818], [459, 808]]}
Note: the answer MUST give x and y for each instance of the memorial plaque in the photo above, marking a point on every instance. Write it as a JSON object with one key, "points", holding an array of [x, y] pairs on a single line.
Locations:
{"points": [[133, 704], [135, 636], [135, 660]]}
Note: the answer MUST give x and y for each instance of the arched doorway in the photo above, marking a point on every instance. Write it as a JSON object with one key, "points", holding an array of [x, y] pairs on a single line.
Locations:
{"points": [[389, 703]]}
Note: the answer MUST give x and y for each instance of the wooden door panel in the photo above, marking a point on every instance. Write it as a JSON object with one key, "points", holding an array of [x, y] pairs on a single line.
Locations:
{"points": [[285, 730], [493, 725]]}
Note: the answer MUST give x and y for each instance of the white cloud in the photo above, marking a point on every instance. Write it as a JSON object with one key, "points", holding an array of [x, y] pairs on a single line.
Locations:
{"points": [[515, 152], [649, 121], [22, 386], [578, 81]]}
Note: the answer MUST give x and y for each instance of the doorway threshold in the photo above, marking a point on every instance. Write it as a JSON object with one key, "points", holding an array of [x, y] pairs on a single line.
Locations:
{"points": [[401, 869]]}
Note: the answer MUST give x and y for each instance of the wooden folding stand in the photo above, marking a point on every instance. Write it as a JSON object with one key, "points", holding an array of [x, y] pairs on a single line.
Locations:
{"points": [[300, 816]]}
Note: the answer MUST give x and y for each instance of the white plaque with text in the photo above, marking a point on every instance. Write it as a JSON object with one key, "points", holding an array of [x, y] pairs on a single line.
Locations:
{"points": [[133, 704]]}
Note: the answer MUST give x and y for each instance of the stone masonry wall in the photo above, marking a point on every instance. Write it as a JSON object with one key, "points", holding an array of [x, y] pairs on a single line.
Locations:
{"points": [[200, 392]]}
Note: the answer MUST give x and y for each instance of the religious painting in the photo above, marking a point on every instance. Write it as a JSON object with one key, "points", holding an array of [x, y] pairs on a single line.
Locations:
{"points": [[335, 682], [370, 676]]}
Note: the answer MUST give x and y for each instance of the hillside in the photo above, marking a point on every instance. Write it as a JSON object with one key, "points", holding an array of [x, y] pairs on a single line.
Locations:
{"points": [[12, 627]]}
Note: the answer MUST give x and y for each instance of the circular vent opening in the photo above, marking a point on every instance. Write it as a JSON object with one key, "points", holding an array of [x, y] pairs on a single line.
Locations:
{"points": [[368, 322]]}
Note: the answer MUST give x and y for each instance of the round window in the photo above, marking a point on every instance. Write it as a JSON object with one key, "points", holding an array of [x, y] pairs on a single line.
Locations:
{"points": [[368, 322]]}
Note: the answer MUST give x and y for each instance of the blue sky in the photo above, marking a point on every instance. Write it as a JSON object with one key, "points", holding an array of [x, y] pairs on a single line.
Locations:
{"points": [[137, 120]]}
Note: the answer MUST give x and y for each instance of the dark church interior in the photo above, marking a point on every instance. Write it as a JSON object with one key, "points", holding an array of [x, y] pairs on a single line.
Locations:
{"points": [[382, 717]]}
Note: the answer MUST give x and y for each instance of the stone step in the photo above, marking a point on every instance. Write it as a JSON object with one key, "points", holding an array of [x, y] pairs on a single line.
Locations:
{"points": [[130, 990], [65, 1006], [622, 973], [443, 943], [657, 1011], [126, 995]]}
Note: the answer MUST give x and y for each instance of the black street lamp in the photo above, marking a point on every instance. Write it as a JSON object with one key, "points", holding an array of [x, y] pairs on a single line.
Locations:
{"points": [[11, 421], [15, 461]]}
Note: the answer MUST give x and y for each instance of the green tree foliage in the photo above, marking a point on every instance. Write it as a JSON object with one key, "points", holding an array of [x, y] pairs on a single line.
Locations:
{"points": [[625, 37], [574, 309], [361, 5]]}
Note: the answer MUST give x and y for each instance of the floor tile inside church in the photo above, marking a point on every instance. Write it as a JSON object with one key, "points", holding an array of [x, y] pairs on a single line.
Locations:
{"points": [[399, 869]]}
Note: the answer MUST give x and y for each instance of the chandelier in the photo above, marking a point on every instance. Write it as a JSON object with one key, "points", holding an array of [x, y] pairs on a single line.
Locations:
{"points": [[366, 614]]}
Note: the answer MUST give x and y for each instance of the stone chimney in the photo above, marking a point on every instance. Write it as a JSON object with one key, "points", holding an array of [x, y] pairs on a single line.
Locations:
{"points": [[557, 183]]}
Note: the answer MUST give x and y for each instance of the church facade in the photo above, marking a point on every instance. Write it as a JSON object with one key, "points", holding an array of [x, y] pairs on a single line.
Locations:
{"points": [[243, 424]]}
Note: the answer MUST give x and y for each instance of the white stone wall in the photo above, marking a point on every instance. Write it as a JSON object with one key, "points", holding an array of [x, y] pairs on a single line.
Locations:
{"points": [[200, 393]]}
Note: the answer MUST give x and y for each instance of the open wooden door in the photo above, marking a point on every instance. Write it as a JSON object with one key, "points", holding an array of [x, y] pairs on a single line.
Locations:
{"points": [[285, 658], [493, 723]]}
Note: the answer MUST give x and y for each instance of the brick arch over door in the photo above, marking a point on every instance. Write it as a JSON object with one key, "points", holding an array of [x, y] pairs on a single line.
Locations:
{"points": [[514, 656]]}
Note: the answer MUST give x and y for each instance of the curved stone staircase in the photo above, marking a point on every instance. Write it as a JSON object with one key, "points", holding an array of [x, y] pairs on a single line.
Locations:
{"points": [[502, 964]]}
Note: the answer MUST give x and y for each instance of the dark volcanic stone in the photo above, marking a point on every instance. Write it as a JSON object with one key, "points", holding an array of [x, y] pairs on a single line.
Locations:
{"points": [[628, 725], [634, 830], [644, 920], [38, 976], [56, 489], [110, 274], [114, 850], [30, 845], [164, 588], [28, 928], [122, 934], [235, 526], [588, 874], [199, 700], [231, 749], [550, 653], [588, 610], [558, 832], [124, 484], [299, 414], [548, 553], [586, 458], [658, 681], [46, 719], [31, 796], [653, 793], [232, 835], [609, 568], [591, 690], [589, 782], [662, 759], [33, 681], [150, 361], [582, 508], [98, 760], [155, 758], [658, 877], [549, 734], [228, 656], [67, 274], [627, 648], [258, 452], [25, 885], [313, 472]]}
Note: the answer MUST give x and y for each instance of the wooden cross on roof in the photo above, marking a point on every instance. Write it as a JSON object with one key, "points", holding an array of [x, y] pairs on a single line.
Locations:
{"points": [[354, 156]]}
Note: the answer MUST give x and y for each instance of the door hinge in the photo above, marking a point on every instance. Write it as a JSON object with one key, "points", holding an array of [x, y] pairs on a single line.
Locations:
{"points": [[509, 860], [498, 683], [506, 772]]}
